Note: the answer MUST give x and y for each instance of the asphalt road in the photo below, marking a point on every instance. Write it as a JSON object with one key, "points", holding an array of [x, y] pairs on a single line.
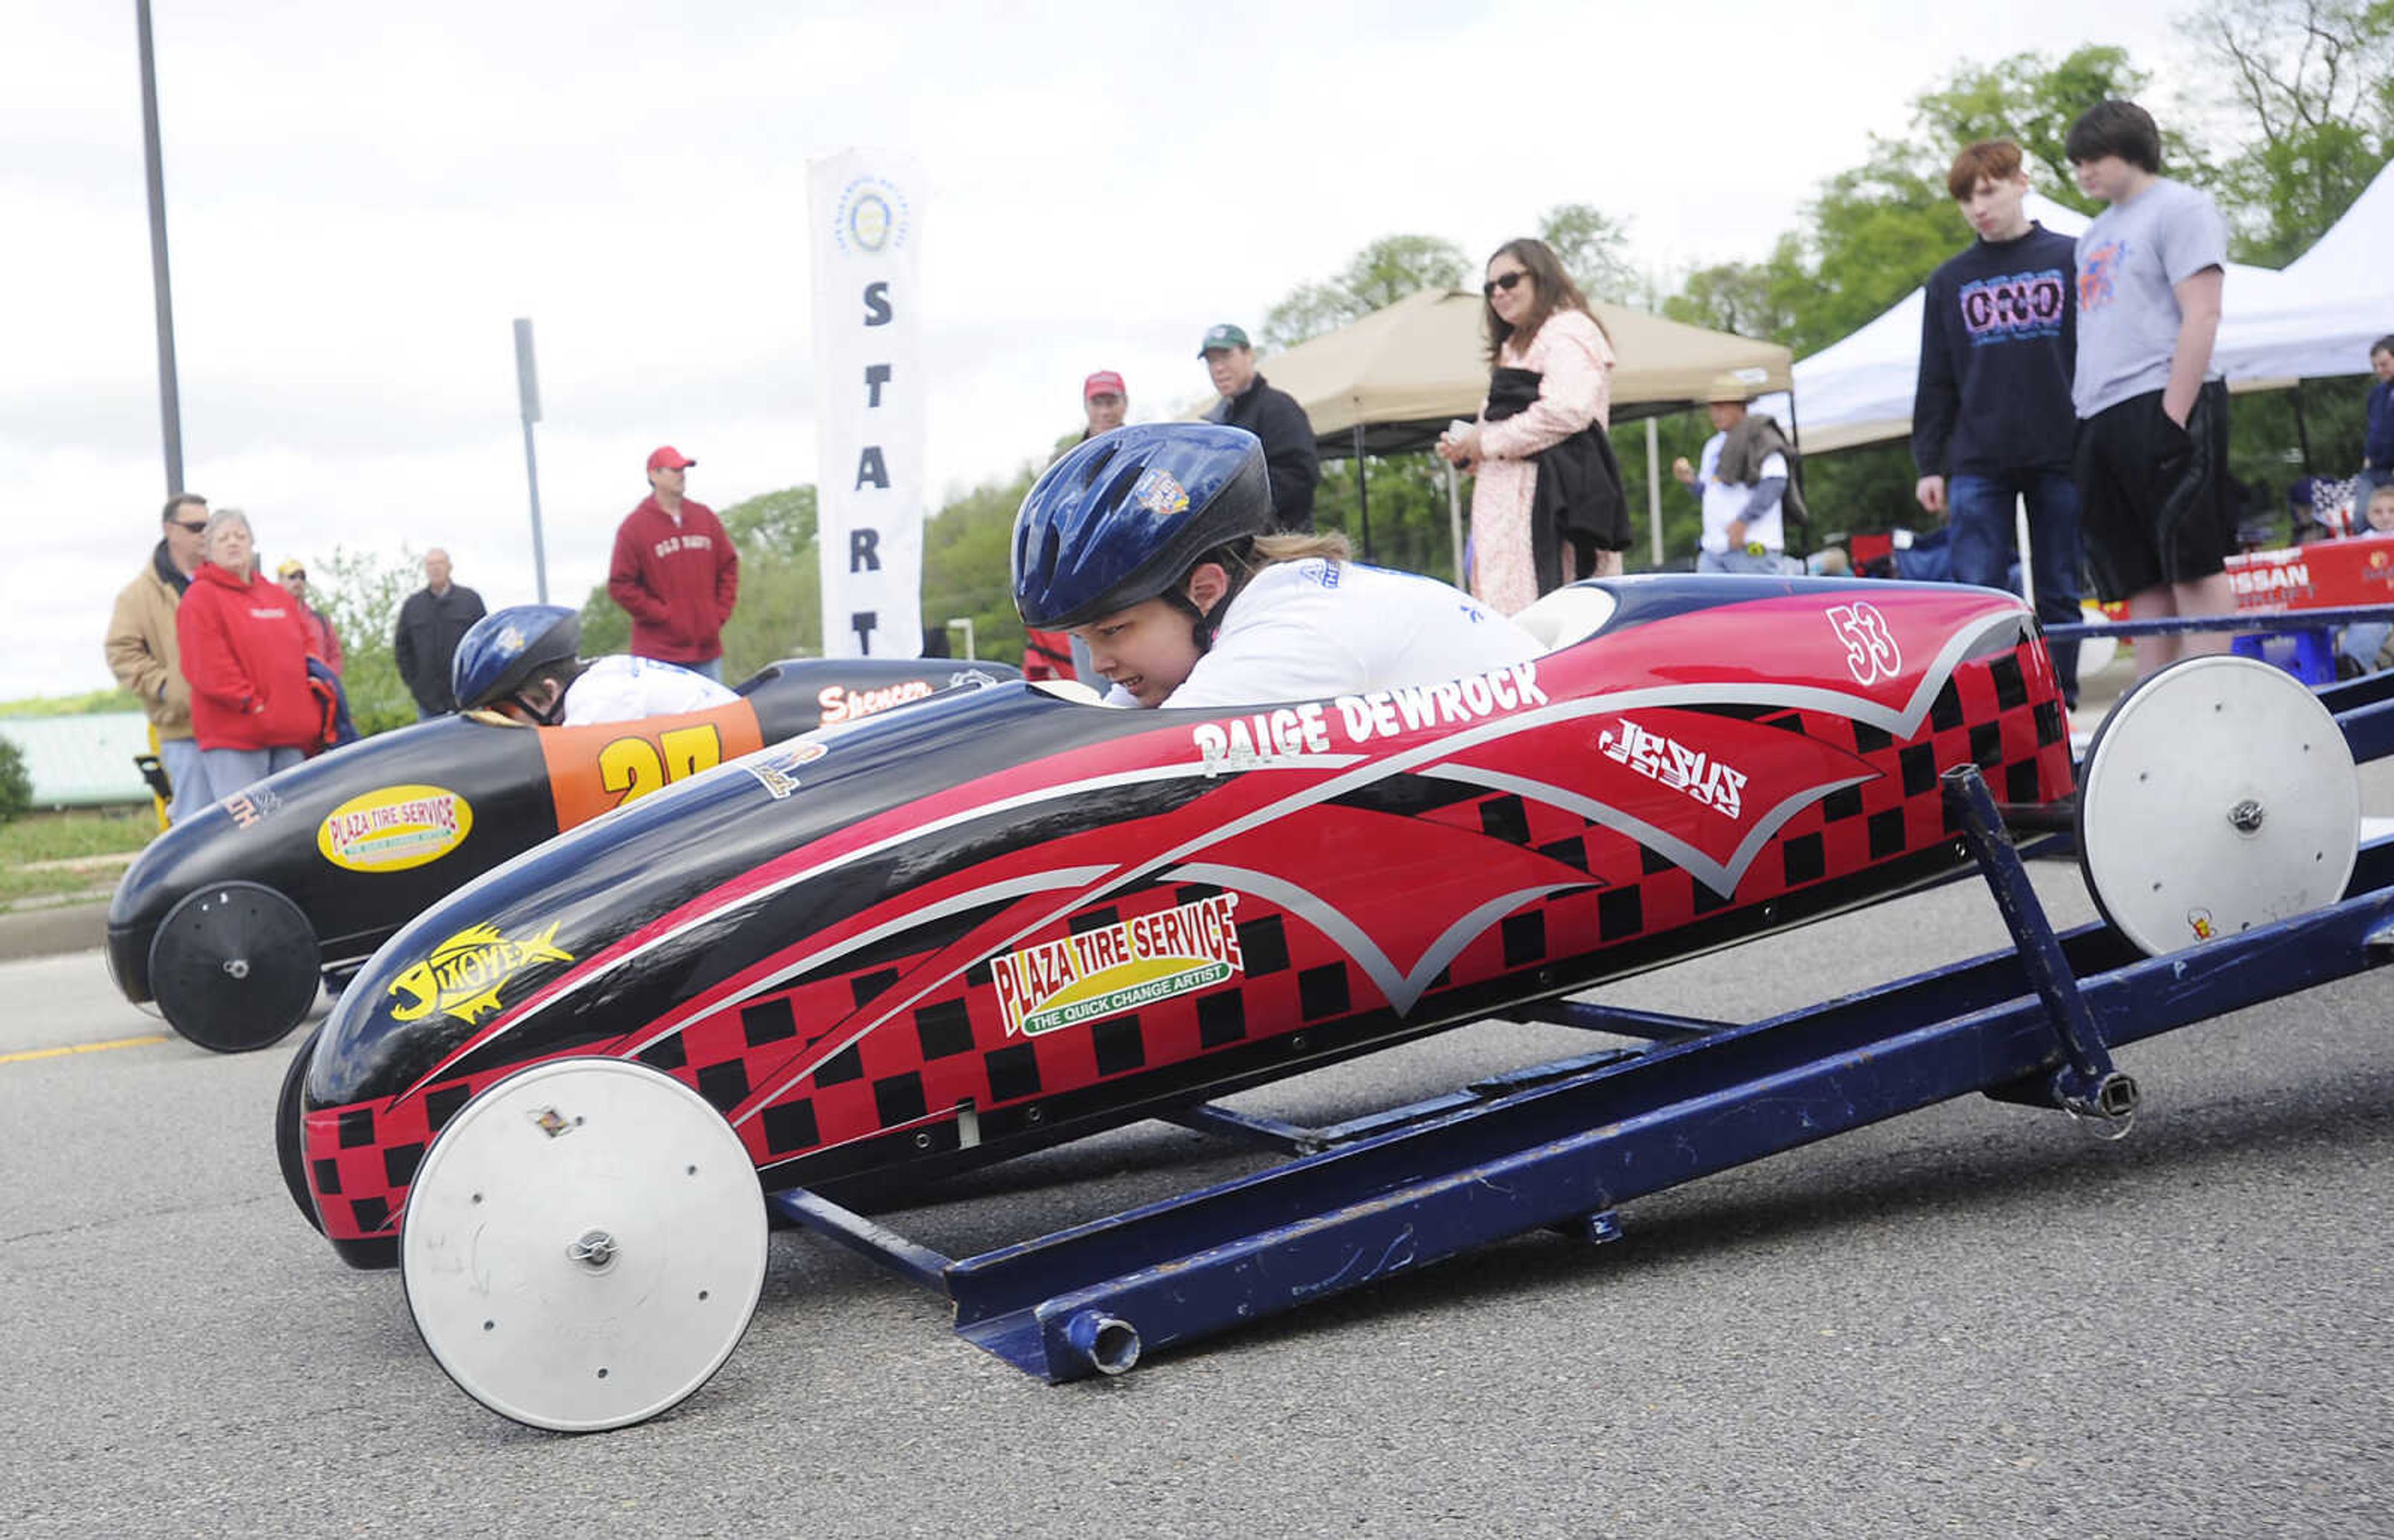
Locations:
{"points": [[1973, 1320]]}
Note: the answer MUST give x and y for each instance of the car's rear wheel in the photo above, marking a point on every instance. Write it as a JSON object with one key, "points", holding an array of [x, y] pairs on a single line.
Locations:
{"points": [[233, 967], [2218, 796]]}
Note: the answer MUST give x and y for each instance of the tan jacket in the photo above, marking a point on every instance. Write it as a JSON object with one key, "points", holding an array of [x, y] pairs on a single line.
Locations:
{"points": [[142, 654]]}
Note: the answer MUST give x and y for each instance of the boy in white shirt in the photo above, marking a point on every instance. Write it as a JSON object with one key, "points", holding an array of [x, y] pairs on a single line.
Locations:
{"points": [[1743, 531]]}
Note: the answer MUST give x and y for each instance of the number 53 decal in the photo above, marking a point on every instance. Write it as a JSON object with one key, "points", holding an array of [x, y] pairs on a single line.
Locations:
{"points": [[1871, 652]]}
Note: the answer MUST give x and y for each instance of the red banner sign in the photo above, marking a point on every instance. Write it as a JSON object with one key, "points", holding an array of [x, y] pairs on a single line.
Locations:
{"points": [[2320, 575]]}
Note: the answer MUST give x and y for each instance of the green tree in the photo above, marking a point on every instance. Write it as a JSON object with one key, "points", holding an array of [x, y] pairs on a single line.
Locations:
{"points": [[2315, 83], [1756, 299], [1410, 526], [2031, 99], [1873, 233], [1594, 248], [360, 593], [779, 613], [782, 522], [16, 781], [968, 568], [606, 629], [1377, 277], [1309, 311]]}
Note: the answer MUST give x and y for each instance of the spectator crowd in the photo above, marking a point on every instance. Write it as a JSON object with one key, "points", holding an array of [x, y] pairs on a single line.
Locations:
{"points": [[241, 676], [2070, 376]]}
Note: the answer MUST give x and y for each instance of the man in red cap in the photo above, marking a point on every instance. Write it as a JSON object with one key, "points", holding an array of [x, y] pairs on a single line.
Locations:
{"points": [[1050, 655], [675, 571], [1106, 401]]}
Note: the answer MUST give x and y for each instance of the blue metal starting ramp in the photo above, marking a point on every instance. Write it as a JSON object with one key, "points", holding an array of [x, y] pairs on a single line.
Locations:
{"points": [[1563, 1145]]}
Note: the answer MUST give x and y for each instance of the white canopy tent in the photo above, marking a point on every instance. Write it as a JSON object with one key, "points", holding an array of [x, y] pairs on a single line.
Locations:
{"points": [[2328, 306], [1858, 390]]}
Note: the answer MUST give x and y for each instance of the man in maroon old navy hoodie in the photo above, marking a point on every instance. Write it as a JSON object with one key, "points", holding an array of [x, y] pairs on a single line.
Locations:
{"points": [[674, 573]]}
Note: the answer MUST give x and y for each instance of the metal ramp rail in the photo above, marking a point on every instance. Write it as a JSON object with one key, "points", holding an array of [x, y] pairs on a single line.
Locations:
{"points": [[1563, 1145]]}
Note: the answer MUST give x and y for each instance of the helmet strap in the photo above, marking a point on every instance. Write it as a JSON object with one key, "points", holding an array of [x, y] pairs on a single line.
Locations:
{"points": [[562, 675]]}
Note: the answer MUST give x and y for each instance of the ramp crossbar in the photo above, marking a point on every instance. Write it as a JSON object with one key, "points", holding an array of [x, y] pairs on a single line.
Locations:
{"points": [[2035, 1022]]}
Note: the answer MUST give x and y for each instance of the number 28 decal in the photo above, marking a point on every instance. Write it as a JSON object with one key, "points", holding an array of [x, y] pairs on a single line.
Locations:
{"points": [[1871, 652], [634, 766], [597, 768]]}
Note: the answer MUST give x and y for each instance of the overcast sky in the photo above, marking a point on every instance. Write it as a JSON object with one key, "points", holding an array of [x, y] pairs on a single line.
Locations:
{"points": [[361, 199]]}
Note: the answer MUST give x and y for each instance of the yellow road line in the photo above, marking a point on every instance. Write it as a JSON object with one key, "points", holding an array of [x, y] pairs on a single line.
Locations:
{"points": [[84, 1047]]}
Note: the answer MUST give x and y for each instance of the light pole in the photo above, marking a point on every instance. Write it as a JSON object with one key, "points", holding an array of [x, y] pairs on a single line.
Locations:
{"points": [[170, 408], [965, 622], [528, 402]]}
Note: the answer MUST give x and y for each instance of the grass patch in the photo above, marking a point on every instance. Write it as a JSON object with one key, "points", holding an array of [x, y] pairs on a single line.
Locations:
{"points": [[18, 884], [61, 836], [90, 702]]}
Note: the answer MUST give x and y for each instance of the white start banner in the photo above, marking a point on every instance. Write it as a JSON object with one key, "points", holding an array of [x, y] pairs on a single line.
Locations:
{"points": [[867, 212]]}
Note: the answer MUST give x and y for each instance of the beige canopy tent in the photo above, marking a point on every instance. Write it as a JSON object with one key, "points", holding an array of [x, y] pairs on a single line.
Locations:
{"points": [[1403, 373], [1390, 382]]}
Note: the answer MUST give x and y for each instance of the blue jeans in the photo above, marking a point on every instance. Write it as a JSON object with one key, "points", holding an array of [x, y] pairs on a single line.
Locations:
{"points": [[1981, 522], [1738, 560], [2362, 640], [712, 667], [226, 771], [181, 758]]}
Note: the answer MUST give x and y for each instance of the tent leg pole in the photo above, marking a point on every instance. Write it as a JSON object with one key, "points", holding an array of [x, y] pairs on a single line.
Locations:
{"points": [[2027, 557], [2302, 427], [1654, 491], [1362, 493], [1455, 517]]}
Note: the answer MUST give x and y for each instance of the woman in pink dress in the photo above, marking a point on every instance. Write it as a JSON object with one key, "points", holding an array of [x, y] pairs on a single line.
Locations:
{"points": [[1546, 507]]}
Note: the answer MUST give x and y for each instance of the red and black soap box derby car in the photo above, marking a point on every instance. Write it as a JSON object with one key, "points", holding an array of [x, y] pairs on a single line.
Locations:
{"points": [[228, 918], [1002, 919]]}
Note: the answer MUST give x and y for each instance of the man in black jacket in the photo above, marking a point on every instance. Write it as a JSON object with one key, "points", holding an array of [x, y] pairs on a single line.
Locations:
{"points": [[1249, 402], [1998, 341], [430, 625]]}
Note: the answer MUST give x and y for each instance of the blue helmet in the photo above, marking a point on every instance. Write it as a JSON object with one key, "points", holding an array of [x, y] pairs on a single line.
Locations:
{"points": [[1120, 517], [506, 647]]}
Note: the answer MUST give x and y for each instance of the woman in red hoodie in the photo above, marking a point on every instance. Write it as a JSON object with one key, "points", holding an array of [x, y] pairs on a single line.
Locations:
{"points": [[244, 649]]}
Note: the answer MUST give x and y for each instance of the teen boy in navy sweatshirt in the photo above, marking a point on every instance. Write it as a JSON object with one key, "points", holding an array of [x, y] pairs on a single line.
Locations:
{"points": [[1991, 414]]}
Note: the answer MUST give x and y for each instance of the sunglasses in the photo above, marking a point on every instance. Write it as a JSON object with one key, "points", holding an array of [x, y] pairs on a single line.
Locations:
{"points": [[199, 528], [1488, 290]]}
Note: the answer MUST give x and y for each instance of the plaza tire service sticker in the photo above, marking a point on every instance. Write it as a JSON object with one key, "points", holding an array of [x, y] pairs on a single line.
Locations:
{"points": [[1119, 968], [394, 828]]}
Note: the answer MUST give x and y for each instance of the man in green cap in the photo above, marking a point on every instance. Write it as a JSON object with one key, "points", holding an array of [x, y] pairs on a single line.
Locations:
{"points": [[1249, 402]]}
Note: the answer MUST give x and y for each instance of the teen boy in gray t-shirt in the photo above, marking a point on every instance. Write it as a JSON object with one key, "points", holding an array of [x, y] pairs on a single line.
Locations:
{"points": [[2151, 463]]}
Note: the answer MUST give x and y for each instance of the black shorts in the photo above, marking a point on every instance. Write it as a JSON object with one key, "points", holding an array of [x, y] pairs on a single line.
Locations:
{"points": [[2154, 501]]}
